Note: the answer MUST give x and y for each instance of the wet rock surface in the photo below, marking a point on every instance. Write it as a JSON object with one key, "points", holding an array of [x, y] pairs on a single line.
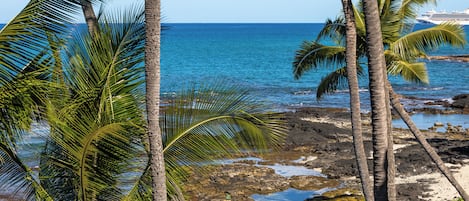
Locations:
{"points": [[242, 181], [330, 149], [458, 104], [461, 102]]}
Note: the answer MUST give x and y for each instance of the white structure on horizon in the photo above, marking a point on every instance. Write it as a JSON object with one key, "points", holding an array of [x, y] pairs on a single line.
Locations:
{"points": [[433, 17]]}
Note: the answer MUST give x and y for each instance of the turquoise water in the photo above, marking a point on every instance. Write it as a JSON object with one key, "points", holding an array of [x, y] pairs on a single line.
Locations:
{"points": [[289, 194], [285, 171], [260, 56], [425, 121]]}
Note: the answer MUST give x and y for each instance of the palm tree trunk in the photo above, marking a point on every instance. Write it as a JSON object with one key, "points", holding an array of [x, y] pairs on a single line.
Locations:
{"points": [[152, 76], [351, 59], [392, 192], [421, 139], [90, 16], [376, 63], [391, 174]]}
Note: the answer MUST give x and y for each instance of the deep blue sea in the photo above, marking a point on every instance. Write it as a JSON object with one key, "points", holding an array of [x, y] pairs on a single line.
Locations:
{"points": [[259, 56]]}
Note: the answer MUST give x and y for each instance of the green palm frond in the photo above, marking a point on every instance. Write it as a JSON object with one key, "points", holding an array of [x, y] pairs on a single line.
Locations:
{"points": [[333, 30], [334, 81], [428, 39], [209, 123], [97, 133], [403, 47], [390, 20], [18, 179], [312, 55], [409, 69], [409, 8], [141, 190], [361, 32], [24, 37], [19, 105], [86, 155], [359, 20], [413, 72]]}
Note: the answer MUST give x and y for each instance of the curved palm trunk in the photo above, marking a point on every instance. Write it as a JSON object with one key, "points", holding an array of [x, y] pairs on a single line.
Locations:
{"points": [[376, 64], [152, 76], [396, 104], [90, 16], [351, 59]]}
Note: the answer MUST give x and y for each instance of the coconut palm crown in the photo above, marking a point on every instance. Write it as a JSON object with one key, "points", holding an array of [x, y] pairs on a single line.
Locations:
{"points": [[92, 103], [403, 47]]}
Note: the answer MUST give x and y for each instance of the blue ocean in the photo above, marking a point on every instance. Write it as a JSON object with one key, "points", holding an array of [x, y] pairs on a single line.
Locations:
{"points": [[260, 56]]}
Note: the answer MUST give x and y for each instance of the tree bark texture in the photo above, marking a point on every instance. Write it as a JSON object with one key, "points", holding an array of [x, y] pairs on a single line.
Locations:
{"points": [[90, 16], [152, 76], [378, 98], [351, 59]]}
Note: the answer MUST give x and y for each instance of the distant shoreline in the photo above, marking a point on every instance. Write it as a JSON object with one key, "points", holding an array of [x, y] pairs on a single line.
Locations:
{"points": [[461, 58]]}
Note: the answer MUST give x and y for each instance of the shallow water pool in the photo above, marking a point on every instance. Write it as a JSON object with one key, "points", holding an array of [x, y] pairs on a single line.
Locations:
{"points": [[425, 121], [290, 194]]}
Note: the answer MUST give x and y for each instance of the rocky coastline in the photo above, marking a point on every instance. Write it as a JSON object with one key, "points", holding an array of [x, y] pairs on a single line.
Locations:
{"points": [[460, 58], [321, 137]]}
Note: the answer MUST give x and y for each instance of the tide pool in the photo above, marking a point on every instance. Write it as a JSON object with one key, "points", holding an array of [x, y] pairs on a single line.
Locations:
{"points": [[425, 121]]}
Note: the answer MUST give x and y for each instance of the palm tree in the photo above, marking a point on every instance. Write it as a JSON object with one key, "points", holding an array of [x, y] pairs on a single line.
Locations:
{"points": [[97, 127], [404, 48], [376, 66], [152, 77], [23, 55], [351, 60], [207, 123]]}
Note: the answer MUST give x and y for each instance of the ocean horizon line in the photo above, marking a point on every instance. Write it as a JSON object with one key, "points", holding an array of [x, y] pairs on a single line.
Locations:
{"points": [[82, 23]]}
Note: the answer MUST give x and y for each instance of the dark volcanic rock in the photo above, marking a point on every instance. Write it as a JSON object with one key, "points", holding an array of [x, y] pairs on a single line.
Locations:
{"points": [[312, 182], [301, 132], [461, 101], [414, 160]]}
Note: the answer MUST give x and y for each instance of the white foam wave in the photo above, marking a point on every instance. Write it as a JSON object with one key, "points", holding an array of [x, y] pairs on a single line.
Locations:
{"points": [[346, 90], [305, 92]]}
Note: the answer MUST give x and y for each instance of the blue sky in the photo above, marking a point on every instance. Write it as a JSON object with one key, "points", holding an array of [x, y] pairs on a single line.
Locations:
{"points": [[239, 10]]}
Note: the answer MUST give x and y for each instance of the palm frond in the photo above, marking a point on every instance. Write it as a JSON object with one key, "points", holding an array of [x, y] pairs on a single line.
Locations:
{"points": [[97, 133], [19, 105], [209, 123], [141, 190], [333, 30], [359, 19], [408, 12], [24, 37], [429, 39], [413, 72], [17, 179], [312, 55], [409, 9], [334, 81], [93, 155]]}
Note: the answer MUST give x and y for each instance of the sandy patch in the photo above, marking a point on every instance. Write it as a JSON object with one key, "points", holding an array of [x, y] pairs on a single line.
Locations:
{"points": [[440, 187], [340, 124]]}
